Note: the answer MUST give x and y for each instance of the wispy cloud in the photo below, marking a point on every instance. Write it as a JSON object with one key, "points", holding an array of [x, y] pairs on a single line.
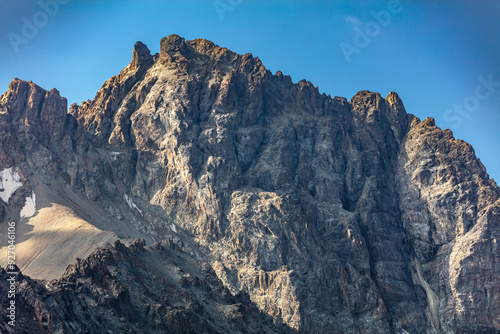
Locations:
{"points": [[353, 20]]}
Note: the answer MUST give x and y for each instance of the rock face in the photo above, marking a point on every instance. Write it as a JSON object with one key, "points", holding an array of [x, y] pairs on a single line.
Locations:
{"points": [[451, 210], [136, 289], [290, 211]]}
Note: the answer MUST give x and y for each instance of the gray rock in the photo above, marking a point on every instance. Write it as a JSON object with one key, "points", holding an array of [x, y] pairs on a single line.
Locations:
{"points": [[291, 210]]}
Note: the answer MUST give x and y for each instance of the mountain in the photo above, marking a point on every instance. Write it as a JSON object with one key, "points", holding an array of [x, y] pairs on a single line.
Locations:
{"points": [[198, 192]]}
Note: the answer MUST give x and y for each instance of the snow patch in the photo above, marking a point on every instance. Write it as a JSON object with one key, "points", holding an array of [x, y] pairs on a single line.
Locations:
{"points": [[29, 208], [9, 183], [132, 204]]}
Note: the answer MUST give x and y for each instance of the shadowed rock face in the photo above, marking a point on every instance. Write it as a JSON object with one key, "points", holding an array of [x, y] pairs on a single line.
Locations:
{"points": [[319, 214], [136, 289]]}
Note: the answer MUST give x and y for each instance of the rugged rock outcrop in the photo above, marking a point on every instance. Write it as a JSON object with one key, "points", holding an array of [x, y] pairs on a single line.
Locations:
{"points": [[451, 211], [136, 289], [321, 214]]}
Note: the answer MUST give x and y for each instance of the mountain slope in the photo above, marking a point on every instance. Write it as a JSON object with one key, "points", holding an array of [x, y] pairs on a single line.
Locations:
{"points": [[135, 289], [332, 215]]}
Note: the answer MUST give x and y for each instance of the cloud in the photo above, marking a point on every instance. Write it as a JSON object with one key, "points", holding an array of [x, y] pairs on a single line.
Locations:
{"points": [[353, 20]]}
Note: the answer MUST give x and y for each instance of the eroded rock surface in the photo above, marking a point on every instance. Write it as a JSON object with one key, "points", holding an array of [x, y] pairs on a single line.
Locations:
{"points": [[136, 289], [319, 214]]}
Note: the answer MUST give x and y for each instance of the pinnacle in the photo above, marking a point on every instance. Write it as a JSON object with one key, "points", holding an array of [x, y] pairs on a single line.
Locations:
{"points": [[141, 55]]}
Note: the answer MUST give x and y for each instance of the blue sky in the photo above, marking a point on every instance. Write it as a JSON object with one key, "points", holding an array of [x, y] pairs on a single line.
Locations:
{"points": [[441, 57]]}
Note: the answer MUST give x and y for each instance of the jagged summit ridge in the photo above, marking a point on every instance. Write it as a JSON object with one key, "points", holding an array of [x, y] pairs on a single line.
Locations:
{"points": [[331, 215]]}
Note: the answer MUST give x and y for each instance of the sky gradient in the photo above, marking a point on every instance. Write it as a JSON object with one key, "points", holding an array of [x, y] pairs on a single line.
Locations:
{"points": [[441, 57]]}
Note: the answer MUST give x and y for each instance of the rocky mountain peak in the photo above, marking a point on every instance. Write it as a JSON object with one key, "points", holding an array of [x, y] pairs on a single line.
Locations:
{"points": [[141, 56], [174, 48], [394, 99], [262, 206], [39, 117]]}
